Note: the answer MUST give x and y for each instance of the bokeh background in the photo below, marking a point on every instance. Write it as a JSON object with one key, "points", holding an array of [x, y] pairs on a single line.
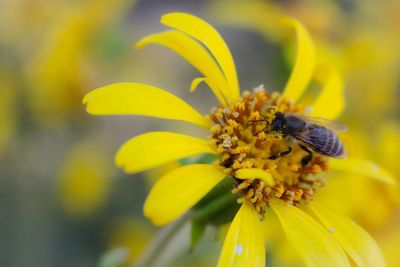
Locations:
{"points": [[62, 200]]}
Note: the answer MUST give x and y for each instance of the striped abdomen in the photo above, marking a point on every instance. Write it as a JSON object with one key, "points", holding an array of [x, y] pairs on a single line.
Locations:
{"points": [[322, 140]]}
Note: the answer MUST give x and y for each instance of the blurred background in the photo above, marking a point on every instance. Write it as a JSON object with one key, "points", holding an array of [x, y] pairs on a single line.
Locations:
{"points": [[62, 200]]}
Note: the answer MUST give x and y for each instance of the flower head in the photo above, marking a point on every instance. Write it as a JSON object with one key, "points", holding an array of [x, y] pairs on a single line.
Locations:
{"points": [[267, 169]]}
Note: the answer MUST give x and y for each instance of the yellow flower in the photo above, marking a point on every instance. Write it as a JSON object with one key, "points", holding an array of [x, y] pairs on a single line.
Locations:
{"points": [[266, 175], [8, 114], [57, 70], [85, 178], [130, 234]]}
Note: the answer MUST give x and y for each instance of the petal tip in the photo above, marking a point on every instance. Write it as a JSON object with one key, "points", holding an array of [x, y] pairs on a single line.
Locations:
{"points": [[140, 44], [86, 101], [151, 216], [167, 16], [87, 98], [119, 162]]}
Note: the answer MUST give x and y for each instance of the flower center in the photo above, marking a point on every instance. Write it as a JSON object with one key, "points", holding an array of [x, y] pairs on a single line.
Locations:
{"points": [[247, 135]]}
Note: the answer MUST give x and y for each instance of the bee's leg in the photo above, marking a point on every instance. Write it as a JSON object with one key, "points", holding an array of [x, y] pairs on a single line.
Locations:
{"points": [[307, 158], [280, 154]]}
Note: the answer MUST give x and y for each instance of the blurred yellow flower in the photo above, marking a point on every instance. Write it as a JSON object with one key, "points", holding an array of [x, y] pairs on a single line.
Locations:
{"points": [[58, 71], [8, 114], [267, 175], [85, 179], [130, 234], [387, 147]]}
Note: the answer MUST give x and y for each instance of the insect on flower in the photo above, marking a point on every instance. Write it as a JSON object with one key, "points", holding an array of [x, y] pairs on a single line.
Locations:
{"points": [[317, 133], [247, 154]]}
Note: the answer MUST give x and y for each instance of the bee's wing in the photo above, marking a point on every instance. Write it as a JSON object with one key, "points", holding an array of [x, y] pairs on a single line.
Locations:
{"points": [[322, 140], [329, 124]]}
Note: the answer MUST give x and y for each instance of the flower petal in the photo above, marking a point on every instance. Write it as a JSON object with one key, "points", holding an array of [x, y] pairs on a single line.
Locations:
{"points": [[362, 167], [311, 241], [330, 102], [252, 16], [305, 60], [210, 38], [141, 99], [357, 243], [255, 173], [153, 149], [244, 243], [195, 83], [179, 190], [195, 54]]}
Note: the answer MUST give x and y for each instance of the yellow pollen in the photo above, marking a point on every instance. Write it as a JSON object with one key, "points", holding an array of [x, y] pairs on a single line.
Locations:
{"points": [[243, 138]]}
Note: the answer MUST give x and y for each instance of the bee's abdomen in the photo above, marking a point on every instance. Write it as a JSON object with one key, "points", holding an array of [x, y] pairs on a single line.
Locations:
{"points": [[333, 146], [323, 141]]}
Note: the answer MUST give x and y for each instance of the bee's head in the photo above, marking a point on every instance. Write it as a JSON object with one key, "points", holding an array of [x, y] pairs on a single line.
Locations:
{"points": [[279, 123]]}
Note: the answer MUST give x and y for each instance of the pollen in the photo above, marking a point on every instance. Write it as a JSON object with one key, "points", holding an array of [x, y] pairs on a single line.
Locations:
{"points": [[243, 138]]}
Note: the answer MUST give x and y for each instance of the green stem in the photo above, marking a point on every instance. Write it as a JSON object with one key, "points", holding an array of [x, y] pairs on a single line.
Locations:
{"points": [[160, 242]]}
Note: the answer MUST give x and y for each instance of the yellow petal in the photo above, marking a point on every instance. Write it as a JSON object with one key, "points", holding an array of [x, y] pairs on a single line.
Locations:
{"points": [[153, 149], [330, 102], [244, 243], [195, 54], [305, 60], [179, 190], [210, 38], [141, 99], [255, 173], [362, 167], [310, 240], [195, 83], [357, 243], [252, 16]]}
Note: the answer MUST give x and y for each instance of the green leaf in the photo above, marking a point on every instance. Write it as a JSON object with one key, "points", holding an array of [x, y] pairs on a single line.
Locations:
{"points": [[222, 188], [217, 208], [197, 232], [225, 215], [202, 159], [207, 159]]}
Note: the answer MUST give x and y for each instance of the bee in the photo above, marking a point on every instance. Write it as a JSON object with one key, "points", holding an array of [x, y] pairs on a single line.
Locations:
{"points": [[315, 133]]}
